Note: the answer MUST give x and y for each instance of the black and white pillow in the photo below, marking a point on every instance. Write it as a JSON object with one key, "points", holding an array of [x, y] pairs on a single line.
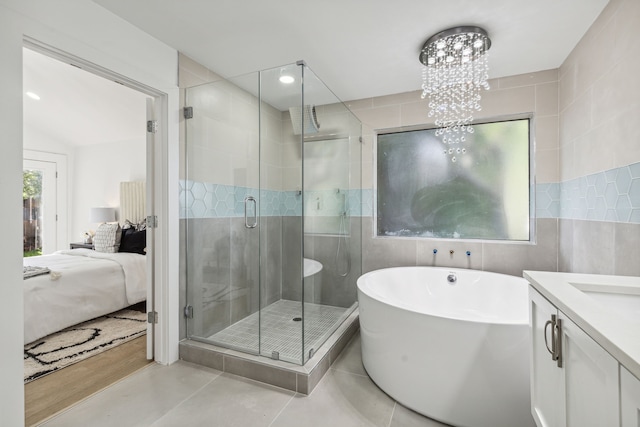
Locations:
{"points": [[107, 238], [142, 225]]}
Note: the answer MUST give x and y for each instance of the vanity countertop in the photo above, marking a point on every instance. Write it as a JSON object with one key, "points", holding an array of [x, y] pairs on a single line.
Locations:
{"points": [[614, 329]]}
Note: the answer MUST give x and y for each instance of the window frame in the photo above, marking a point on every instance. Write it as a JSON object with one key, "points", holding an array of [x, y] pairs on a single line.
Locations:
{"points": [[495, 119]]}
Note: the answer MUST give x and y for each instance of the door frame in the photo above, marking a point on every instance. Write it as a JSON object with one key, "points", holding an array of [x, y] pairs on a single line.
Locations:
{"points": [[165, 331]]}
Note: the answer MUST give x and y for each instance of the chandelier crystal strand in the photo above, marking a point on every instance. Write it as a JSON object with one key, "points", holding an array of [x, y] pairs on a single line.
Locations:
{"points": [[455, 70]]}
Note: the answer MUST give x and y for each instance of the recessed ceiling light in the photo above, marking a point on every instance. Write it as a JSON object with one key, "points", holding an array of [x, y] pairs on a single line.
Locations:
{"points": [[33, 96], [286, 79]]}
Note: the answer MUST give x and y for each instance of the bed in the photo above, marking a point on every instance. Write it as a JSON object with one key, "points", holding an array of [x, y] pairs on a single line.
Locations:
{"points": [[77, 285]]}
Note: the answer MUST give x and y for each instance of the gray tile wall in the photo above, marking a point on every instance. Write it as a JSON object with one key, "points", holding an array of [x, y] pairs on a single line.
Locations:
{"points": [[507, 258], [598, 131], [221, 260]]}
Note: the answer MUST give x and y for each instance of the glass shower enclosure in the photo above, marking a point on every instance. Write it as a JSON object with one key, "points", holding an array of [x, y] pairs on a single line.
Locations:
{"points": [[271, 202]]}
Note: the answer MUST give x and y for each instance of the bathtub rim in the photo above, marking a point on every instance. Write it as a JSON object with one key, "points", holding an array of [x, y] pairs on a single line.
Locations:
{"points": [[524, 321]]}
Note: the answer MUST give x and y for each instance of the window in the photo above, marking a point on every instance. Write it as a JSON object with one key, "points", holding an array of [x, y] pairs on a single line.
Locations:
{"points": [[485, 194]]}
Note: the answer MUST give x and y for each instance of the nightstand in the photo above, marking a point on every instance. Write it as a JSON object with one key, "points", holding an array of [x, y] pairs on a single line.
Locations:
{"points": [[81, 245]]}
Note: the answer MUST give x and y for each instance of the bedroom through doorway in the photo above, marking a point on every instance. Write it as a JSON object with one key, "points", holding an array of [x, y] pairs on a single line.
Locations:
{"points": [[95, 125]]}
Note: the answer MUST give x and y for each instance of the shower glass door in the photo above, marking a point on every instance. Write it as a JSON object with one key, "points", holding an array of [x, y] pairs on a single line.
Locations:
{"points": [[221, 211], [271, 208], [331, 160], [281, 236]]}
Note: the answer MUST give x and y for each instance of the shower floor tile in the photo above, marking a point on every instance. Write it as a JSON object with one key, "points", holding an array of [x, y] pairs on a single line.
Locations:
{"points": [[280, 332]]}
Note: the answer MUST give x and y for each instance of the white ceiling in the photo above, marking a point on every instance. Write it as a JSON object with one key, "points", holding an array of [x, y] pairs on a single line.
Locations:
{"points": [[360, 48], [79, 108]]}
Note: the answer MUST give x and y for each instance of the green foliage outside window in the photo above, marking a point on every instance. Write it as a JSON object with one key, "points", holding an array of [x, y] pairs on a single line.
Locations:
{"points": [[485, 194]]}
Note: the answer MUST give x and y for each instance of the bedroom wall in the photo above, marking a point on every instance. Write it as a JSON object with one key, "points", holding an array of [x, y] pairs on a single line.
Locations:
{"points": [[96, 178], [81, 28]]}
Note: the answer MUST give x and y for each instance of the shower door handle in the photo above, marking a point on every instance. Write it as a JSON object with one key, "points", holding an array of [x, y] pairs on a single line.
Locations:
{"points": [[247, 200]]}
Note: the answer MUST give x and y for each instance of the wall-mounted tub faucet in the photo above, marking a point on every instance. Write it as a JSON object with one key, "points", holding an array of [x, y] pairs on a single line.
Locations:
{"points": [[435, 251], [468, 253]]}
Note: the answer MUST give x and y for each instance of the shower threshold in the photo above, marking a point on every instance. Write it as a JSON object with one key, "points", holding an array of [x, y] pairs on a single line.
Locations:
{"points": [[295, 377]]}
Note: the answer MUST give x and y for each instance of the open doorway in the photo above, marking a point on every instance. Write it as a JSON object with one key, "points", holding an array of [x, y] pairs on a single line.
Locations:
{"points": [[84, 136]]}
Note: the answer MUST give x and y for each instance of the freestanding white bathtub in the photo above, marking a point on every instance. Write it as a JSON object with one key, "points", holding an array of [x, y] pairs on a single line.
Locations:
{"points": [[456, 351]]}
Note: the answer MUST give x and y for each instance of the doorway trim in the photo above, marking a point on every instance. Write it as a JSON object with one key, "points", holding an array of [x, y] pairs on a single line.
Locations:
{"points": [[165, 347]]}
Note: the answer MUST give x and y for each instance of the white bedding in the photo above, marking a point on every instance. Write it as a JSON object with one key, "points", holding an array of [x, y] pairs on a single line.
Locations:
{"points": [[90, 284]]}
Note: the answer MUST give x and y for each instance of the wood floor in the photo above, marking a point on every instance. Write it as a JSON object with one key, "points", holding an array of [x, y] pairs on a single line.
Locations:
{"points": [[58, 390]]}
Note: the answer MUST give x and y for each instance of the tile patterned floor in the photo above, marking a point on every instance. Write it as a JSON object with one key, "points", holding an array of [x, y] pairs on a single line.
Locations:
{"points": [[187, 394], [280, 332]]}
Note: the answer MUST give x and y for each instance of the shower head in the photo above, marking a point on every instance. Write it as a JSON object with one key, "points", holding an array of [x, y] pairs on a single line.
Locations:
{"points": [[304, 117]]}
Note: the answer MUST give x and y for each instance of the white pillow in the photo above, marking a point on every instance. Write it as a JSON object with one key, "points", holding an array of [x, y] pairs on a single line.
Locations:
{"points": [[107, 238]]}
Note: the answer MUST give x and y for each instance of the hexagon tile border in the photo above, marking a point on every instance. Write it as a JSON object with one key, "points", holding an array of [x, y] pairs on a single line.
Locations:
{"points": [[612, 195], [207, 200]]}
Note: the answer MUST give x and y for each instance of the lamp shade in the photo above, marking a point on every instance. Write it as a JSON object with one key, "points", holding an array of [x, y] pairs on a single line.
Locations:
{"points": [[102, 215]]}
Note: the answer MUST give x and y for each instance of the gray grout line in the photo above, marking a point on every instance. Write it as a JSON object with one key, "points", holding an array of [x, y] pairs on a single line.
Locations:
{"points": [[393, 412], [283, 408], [177, 405], [348, 372]]}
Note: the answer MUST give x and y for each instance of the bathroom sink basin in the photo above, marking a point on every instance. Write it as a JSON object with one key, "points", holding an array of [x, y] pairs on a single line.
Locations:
{"points": [[622, 299]]}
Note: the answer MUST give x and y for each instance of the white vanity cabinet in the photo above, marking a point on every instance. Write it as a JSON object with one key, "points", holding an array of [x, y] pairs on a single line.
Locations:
{"points": [[629, 399], [574, 381], [547, 400]]}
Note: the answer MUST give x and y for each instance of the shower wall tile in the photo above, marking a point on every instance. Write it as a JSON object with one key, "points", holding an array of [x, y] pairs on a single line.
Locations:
{"points": [[273, 269], [291, 258], [341, 265], [182, 277], [209, 274], [245, 267]]}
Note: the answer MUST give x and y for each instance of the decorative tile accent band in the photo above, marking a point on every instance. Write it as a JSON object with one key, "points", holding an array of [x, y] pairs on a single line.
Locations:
{"points": [[206, 200], [613, 195]]}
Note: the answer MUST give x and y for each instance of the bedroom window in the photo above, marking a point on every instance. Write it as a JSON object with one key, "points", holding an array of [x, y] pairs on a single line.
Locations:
{"points": [[485, 194]]}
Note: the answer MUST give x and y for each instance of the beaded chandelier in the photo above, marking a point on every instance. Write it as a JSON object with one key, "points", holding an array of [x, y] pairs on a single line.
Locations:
{"points": [[455, 70]]}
